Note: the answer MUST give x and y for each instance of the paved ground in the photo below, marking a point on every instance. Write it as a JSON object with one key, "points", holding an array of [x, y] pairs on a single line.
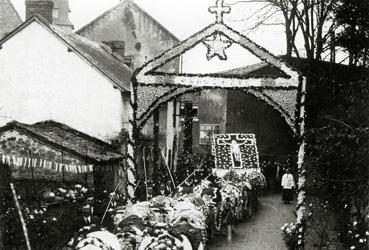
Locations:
{"points": [[262, 231]]}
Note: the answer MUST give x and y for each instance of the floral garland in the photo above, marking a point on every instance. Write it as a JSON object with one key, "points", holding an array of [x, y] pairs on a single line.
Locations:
{"points": [[290, 235], [142, 76], [218, 220], [300, 206], [232, 176]]}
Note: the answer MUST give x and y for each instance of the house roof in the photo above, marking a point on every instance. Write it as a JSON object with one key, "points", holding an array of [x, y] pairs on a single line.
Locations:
{"points": [[137, 8], [95, 54], [9, 18], [334, 71], [67, 139], [261, 69]]}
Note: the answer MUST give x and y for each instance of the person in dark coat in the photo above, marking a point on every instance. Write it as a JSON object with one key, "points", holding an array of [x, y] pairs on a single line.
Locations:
{"points": [[169, 187], [162, 190], [87, 219]]}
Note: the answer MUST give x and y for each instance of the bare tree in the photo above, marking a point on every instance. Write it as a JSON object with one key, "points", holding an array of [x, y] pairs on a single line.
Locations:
{"points": [[313, 19], [289, 10]]}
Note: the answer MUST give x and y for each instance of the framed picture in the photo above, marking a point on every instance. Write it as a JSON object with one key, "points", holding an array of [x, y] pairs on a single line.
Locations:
{"points": [[235, 151], [206, 133]]}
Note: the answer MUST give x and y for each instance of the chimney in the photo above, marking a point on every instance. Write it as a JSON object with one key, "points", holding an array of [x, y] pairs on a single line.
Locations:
{"points": [[42, 8], [129, 61], [117, 47], [61, 12]]}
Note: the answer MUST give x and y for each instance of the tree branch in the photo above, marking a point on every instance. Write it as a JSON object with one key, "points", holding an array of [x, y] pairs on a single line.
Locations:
{"points": [[338, 121]]}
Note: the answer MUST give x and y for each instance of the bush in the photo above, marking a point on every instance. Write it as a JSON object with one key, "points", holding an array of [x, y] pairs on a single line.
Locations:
{"points": [[338, 156]]}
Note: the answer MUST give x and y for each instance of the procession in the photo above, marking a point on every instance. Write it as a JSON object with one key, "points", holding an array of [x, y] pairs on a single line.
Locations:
{"points": [[185, 125]]}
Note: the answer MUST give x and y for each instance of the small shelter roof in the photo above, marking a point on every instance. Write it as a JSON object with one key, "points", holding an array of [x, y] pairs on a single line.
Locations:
{"points": [[334, 71], [67, 139]]}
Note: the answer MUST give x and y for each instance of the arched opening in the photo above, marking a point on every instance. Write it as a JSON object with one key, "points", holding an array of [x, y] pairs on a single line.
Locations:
{"points": [[218, 110], [284, 93]]}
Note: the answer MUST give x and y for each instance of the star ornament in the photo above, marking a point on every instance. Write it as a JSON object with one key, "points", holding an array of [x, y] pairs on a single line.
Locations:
{"points": [[216, 46]]}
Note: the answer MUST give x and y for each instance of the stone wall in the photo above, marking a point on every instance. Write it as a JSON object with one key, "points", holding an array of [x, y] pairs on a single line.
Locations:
{"points": [[144, 38], [15, 143]]}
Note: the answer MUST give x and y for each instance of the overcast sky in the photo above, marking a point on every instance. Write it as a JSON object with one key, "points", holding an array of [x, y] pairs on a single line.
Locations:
{"points": [[184, 18]]}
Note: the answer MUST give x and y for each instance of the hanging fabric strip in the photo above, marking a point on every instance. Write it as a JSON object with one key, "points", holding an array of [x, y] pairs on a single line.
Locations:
{"points": [[28, 162]]}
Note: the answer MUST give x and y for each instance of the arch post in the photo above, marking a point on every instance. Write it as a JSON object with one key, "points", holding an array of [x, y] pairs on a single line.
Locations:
{"points": [[300, 206]]}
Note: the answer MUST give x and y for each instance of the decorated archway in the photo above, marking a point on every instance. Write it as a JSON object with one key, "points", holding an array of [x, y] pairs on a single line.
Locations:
{"points": [[152, 88]]}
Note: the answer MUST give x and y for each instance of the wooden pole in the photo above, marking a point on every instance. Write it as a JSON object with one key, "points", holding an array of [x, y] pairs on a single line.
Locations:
{"points": [[107, 207], [170, 174], [145, 171], [156, 132], [86, 174], [193, 172], [24, 227], [62, 161], [32, 171]]}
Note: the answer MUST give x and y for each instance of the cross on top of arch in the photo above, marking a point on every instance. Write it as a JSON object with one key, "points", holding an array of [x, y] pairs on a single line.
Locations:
{"points": [[219, 10]]}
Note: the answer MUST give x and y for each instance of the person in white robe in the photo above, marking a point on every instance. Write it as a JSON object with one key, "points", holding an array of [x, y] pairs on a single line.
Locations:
{"points": [[288, 185]]}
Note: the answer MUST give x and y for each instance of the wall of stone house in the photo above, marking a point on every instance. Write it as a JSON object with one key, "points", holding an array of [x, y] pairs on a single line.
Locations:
{"points": [[15, 143], [247, 114], [144, 39]]}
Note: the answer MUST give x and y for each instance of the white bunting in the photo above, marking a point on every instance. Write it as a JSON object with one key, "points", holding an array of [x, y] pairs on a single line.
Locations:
{"points": [[27, 162]]}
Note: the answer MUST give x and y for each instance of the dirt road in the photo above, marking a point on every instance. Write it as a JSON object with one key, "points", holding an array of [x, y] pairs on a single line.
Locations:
{"points": [[262, 231]]}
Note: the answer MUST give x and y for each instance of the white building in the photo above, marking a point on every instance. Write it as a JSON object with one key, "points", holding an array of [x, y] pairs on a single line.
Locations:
{"points": [[48, 73]]}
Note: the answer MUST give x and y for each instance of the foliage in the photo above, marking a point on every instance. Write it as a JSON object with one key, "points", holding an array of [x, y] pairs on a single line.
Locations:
{"points": [[234, 177], [188, 163], [321, 230], [321, 225], [120, 140], [256, 179], [49, 219], [316, 21], [48, 227], [289, 234], [353, 17], [313, 20], [338, 154], [356, 234]]}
